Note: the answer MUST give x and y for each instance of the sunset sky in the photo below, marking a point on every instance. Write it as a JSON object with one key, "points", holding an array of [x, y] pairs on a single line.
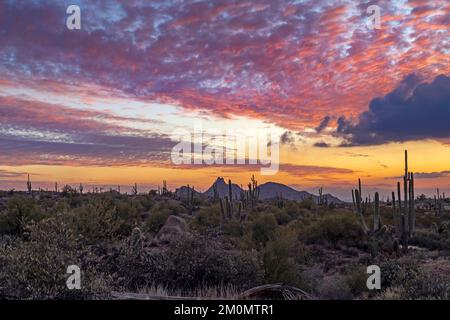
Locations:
{"points": [[99, 105]]}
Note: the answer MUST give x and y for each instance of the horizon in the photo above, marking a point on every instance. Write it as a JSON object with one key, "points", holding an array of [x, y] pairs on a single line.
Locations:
{"points": [[99, 105]]}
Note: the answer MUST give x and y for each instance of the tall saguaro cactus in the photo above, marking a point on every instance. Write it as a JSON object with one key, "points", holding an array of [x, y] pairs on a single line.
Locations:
{"points": [[189, 202], [134, 189], [406, 214], [29, 187], [227, 205], [377, 228]]}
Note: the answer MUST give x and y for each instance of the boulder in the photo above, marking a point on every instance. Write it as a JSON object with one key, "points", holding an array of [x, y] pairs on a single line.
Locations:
{"points": [[173, 228]]}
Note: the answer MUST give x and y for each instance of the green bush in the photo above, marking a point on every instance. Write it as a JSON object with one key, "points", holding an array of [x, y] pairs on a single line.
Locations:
{"points": [[155, 221], [20, 211], [414, 282], [336, 229], [101, 220], [189, 264], [206, 218], [283, 256], [36, 269], [357, 281], [198, 261], [263, 228], [334, 287]]}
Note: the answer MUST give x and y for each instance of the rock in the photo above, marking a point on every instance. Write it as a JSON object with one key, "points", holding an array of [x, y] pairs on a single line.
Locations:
{"points": [[173, 228]]}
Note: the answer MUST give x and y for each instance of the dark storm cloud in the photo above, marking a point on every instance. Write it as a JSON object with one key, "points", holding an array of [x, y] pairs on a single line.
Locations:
{"points": [[321, 145], [410, 112], [323, 124], [287, 138]]}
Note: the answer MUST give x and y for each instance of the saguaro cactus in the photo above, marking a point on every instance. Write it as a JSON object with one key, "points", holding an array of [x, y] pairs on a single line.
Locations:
{"points": [[227, 205], [165, 191], [134, 189], [377, 228], [253, 191], [215, 192], [405, 215], [29, 187], [189, 202]]}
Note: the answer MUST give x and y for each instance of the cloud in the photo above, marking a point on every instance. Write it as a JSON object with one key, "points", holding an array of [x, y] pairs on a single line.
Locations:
{"points": [[427, 175], [283, 62], [321, 145], [323, 124], [288, 168], [287, 138], [410, 112], [11, 174], [33, 132]]}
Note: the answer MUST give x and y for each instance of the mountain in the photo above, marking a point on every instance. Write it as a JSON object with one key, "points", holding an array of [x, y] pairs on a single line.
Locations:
{"points": [[182, 192], [268, 190], [222, 189]]}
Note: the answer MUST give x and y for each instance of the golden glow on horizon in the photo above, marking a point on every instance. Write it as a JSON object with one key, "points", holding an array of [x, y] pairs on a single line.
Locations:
{"points": [[373, 164]]}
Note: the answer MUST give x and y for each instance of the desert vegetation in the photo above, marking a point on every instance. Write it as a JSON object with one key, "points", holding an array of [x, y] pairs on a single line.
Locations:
{"points": [[188, 244]]}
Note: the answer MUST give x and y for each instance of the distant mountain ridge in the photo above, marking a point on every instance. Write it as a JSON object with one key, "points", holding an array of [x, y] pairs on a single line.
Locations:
{"points": [[222, 189], [268, 190]]}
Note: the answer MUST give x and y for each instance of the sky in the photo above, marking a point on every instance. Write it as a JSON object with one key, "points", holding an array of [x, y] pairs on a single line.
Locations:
{"points": [[101, 105]]}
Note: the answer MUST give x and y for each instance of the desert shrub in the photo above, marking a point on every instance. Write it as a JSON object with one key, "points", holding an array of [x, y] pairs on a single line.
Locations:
{"points": [[307, 204], [133, 265], [199, 261], [235, 228], [357, 281], [431, 241], [155, 221], [206, 218], [20, 211], [36, 269], [414, 283], [171, 206], [426, 286], [147, 202], [188, 264], [334, 287], [160, 212], [263, 228], [336, 229], [101, 220], [395, 273], [283, 256]]}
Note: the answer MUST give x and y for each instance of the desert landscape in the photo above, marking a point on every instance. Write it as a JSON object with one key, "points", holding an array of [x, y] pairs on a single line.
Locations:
{"points": [[222, 150], [264, 241]]}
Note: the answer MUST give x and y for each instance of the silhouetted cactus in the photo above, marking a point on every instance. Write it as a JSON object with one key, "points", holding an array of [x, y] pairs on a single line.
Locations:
{"points": [[227, 205], [377, 228], [189, 201], [29, 187], [280, 200], [253, 192], [81, 188], [215, 192], [134, 189], [165, 191], [405, 215]]}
